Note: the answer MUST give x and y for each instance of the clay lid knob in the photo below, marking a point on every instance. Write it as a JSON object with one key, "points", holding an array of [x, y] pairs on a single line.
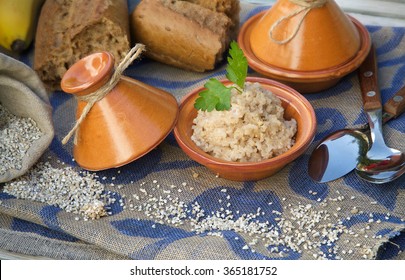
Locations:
{"points": [[88, 74]]}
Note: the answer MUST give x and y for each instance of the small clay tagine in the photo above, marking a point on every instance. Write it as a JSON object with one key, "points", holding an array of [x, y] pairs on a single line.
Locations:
{"points": [[128, 122], [308, 44]]}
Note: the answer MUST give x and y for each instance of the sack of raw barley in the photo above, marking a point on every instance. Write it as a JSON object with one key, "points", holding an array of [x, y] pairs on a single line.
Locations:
{"points": [[26, 126]]}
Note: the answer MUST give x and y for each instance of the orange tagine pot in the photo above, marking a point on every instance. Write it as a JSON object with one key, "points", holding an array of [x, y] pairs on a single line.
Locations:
{"points": [[308, 44], [125, 124]]}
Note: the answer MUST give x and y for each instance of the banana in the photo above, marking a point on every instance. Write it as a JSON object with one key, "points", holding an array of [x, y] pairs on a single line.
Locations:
{"points": [[18, 19]]}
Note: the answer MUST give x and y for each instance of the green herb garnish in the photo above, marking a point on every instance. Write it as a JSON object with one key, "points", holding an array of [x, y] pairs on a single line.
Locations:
{"points": [[215, 96], [237, 68], [218, 96]]}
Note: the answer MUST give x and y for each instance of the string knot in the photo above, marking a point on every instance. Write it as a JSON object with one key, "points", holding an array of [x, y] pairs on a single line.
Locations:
{"points": [[100, 93], [306, 7]]}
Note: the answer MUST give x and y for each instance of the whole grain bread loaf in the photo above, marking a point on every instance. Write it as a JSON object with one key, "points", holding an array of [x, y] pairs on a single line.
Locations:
{"points": [[71, 29], [189, 34], [229, 7]]}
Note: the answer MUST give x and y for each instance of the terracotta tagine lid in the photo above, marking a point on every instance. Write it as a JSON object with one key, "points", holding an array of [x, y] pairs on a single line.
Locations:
{"points": [[305, 35], [126, 120], [307, 44]]}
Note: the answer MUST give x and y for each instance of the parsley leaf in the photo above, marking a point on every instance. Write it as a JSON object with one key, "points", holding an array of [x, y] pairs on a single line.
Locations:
{"points": [[216, 95], [237, 65]]}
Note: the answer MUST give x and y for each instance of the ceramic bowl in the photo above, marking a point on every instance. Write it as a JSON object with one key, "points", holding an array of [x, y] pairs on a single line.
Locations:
{"points": [[296, 106], [316, 58]]}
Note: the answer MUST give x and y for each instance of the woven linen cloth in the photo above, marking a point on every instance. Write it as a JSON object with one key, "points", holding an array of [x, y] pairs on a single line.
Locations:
{"points": [[358, 220]]}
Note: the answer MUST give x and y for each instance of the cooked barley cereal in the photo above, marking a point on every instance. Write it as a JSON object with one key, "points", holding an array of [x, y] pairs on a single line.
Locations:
{"points": [[253, 129]]}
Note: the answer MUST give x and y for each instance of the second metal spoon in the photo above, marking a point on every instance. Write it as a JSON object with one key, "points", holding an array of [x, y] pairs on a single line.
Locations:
{"points": [[339, 153], [381, 163]]}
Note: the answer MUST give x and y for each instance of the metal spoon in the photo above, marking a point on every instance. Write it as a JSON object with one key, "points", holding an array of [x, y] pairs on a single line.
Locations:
{"points": [[338, 153], [381, 163], [385, 176]]}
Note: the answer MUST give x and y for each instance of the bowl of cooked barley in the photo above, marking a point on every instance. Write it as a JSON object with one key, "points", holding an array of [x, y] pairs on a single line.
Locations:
{"points": [[268, 126]]}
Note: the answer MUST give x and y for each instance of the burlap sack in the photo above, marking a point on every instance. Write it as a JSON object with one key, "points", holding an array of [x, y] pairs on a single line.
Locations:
{"points": [[23, 94]]}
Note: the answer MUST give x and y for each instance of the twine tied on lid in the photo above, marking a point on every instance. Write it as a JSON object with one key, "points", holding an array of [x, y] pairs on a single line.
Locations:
{"points": [[307, 6], [100, 93]]}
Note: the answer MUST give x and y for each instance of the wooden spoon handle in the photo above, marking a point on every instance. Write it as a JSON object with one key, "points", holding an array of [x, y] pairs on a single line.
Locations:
{"points": [[395, 106], [369, 82]]}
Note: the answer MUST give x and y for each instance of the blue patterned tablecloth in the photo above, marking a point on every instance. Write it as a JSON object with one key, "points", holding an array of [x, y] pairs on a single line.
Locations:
{"points": [[274, 205]]}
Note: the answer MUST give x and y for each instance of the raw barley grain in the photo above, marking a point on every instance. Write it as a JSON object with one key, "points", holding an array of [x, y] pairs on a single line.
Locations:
{"points": [[75, 192], [17, 135]]}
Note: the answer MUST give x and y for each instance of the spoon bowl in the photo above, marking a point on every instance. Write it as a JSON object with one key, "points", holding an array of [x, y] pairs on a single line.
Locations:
{"points": [[325, 163], [380, 161], [383, 176]]}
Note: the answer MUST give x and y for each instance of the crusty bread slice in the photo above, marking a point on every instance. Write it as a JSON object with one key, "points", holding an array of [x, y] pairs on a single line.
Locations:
{"points": [[71, 29], [181, 33], [229, 7]]}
